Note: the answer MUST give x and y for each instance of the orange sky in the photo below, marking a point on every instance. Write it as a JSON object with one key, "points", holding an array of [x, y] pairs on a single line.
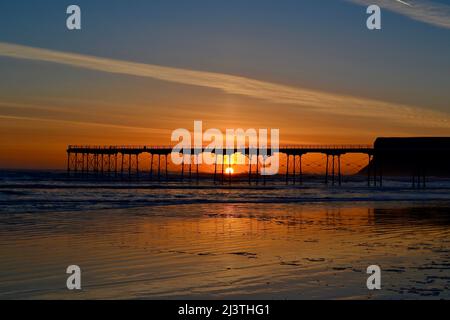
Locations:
{"points": [[92, 100]]}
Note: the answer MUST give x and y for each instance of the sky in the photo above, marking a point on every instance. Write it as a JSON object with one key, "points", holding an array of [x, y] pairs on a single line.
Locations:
{"points": [[137, 70]]}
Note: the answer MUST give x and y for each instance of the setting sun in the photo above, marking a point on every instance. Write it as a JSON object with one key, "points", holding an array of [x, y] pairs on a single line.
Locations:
{"points": [[229, 170]]}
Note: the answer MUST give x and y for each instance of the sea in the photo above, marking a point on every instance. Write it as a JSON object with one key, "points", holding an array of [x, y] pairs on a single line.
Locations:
{"points": [[144, 239]]}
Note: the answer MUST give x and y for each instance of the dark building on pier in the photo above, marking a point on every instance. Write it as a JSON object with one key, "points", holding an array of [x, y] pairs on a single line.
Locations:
{"points": [[413, 156]]}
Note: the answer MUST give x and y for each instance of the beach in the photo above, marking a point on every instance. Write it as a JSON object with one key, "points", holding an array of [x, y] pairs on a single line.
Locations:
{"points": [[217, 242]]}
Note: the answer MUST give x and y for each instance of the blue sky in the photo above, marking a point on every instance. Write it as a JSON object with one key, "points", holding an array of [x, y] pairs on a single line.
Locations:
{"points": [[309, 43]]}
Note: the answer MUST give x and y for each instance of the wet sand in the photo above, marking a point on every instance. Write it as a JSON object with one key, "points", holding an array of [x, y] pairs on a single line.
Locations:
{"points": [[224, 251]]}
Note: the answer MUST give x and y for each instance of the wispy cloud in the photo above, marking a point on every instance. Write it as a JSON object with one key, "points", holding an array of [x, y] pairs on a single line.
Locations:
{"points": [[403, 2], [89, 124], [315, 101], [433, 13]]}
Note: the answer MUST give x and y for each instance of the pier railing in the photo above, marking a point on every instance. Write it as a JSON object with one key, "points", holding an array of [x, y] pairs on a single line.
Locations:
{"points": [[281, 147]]}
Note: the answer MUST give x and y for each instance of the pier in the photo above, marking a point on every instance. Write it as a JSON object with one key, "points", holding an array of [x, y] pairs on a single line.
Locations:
{"points": [[417, 158], [124, 162]]}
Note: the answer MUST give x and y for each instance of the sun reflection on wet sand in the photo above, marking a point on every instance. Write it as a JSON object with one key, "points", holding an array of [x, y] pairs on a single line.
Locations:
{"points": [[228, 251]]}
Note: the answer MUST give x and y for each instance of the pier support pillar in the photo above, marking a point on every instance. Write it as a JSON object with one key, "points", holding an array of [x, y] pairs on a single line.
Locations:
{"points": [[151, 166], [215, 167], [374, 170], [182, 169], [137, 165], [103, 162], [167, 172], [109, 164], [287, 169], [223, 168], [76, 163], [190, 168], [339, 170], [82, 163], [257, 167], [87, 164], [129, 166], [332, 170], [159, 167], [249, 169], [115, 164], [264, 168], [196, 163], [121, 165], [295, 164], [300, 169]]}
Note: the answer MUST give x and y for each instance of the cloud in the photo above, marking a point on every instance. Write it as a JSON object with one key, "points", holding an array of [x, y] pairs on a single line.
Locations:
{"points": [[312, 100], [433, 13], [405, 3], [88, 123]]}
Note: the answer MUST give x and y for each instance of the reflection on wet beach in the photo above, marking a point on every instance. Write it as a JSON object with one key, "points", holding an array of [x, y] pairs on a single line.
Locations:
{"points": [[274, 251]]}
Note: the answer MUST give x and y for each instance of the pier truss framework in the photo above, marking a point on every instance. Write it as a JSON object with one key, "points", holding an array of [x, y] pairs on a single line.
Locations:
{"points": [[123, 162]]}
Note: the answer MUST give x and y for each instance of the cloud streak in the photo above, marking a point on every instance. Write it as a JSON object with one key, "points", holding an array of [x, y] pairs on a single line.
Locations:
{"points": [[90, 124], [311, 100], [433, 13]]}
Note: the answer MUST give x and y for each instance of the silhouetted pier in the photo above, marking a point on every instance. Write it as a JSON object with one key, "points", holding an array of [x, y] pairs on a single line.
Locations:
{"points": [[123, 161], [415, 157]]}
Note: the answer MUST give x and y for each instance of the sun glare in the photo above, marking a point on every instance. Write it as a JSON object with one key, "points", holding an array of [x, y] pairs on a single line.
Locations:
{"points": [[229, 170]]}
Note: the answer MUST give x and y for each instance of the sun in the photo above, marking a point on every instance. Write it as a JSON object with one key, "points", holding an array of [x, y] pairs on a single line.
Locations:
{"points": [[229, 170]]}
